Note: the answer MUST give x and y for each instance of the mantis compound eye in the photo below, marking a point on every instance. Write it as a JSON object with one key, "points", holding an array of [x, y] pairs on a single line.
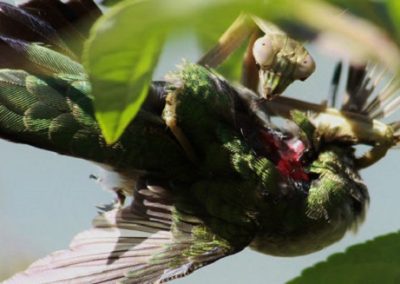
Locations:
{"points": [[304, 68], [263, 52]]}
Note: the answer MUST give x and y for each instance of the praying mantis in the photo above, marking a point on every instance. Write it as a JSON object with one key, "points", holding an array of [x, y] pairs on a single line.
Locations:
{"points": [[279, 60]]}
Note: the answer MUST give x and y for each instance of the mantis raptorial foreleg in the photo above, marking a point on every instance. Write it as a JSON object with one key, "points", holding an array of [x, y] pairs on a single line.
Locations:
{"points": [[231, 40], [250, 78]]}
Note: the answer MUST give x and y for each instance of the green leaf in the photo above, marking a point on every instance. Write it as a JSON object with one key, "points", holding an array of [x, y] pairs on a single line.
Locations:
{"points": [[110, 2], [394, 10], [124, 46], [120, 57], [346, 34], [374, 11], [376, 261]]}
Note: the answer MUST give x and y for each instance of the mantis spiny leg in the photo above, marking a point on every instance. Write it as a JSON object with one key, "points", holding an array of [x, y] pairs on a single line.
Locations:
{"points": [[233, 37]]}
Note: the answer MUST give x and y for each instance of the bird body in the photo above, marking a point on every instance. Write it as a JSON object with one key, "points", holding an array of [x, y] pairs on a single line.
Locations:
{"points": [[242, 188]]}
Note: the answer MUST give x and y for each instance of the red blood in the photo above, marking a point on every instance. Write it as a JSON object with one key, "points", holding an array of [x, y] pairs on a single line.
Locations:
{"points": [[286, 155]]}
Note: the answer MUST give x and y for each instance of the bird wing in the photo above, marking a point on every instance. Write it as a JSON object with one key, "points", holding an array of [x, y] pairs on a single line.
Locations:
{"points": [[44, 92], [62, 25], [148, 242], [46, 102], [44, 99]]}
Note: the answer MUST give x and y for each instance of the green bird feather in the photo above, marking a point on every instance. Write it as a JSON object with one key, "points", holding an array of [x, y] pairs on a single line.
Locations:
{"points": [[237, 182]]}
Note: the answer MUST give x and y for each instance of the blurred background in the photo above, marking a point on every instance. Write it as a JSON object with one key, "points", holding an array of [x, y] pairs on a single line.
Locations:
{"points": [[46, 198]]}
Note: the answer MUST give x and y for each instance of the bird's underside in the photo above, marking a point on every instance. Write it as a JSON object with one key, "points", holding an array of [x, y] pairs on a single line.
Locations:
{"points": [[208, 172]]}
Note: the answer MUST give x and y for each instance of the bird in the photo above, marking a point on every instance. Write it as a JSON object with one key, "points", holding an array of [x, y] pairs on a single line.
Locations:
{"points": [[208, 171]]}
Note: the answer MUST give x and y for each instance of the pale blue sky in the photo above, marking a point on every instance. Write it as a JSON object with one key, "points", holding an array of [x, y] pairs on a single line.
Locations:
{"points": [[46, 198]]}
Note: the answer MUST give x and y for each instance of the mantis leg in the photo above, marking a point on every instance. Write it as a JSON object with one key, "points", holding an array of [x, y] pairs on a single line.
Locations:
{"points": [[250, 78], [169, 115], [235, 35]]}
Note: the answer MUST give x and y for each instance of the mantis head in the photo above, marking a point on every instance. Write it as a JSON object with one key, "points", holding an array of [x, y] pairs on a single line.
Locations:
{"points": [[281, 60]]}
